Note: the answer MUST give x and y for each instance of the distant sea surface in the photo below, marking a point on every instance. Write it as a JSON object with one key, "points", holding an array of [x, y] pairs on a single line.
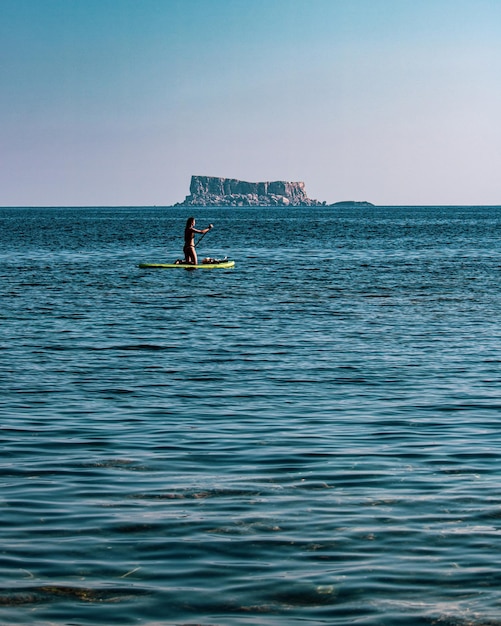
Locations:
{"points": [[311, 437]]}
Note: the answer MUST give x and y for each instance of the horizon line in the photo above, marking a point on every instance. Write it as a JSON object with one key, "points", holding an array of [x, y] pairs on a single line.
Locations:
{"points": [[246, 207]]}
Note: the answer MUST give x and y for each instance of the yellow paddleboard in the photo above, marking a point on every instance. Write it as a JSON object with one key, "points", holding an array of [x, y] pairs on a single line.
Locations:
{"points": [[188, 266]]}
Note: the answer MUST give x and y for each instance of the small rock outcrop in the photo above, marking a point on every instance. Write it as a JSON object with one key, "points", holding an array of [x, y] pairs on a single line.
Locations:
{"points": [[213, 191], [352, 204]]}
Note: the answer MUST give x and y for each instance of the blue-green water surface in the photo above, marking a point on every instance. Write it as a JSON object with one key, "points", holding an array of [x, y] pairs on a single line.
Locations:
{"points": [[312, 437]]}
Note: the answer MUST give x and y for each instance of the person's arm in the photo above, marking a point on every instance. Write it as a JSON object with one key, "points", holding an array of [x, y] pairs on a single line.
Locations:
{"points": [[202, 232]]}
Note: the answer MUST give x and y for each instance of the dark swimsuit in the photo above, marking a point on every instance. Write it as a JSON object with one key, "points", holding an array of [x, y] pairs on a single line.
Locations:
{"points": [[188, 241]]}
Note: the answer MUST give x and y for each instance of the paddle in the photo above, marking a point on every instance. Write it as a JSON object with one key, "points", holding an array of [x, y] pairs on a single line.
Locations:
{"points": [[210, 228]]}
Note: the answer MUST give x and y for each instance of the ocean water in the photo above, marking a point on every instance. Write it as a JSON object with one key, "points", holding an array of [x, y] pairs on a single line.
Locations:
{"points": [[312, 437]]}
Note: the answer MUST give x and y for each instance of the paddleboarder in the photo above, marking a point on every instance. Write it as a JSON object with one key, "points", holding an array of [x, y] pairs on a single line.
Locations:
{"points": [[190, 254]]}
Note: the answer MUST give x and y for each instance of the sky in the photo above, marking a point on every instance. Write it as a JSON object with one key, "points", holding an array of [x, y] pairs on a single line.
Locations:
{"points": [[119, 102]]}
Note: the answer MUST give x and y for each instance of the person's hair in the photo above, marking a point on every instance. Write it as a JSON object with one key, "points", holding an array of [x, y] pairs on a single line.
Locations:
{"points": [[189, 222]]}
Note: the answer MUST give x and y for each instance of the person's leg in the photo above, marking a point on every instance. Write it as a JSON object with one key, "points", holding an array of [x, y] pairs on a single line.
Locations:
{"points": [[191, 255]]}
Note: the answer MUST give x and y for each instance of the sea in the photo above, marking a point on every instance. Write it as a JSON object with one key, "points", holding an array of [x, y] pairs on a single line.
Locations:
{"points": [[312, 437]]}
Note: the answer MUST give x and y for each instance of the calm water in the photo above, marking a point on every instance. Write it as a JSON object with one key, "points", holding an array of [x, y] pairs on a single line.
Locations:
{"points": [[313, 437]]}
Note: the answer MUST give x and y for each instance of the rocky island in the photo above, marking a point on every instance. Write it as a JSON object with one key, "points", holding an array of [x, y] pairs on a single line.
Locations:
{"points": [[213, 191], [352, 204]]}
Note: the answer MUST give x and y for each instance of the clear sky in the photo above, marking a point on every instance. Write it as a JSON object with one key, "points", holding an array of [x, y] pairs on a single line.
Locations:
{"points": [[119, 102]]}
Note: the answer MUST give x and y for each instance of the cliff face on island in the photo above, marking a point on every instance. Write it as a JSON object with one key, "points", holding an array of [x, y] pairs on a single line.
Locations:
{"points": [[213, 191]]}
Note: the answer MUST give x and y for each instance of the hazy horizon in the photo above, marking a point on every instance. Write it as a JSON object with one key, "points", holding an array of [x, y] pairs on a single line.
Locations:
{"points": [[119, 103]]}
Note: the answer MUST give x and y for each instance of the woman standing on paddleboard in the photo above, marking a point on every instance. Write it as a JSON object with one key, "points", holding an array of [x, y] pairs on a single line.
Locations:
{"points": [[190, 254]]}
